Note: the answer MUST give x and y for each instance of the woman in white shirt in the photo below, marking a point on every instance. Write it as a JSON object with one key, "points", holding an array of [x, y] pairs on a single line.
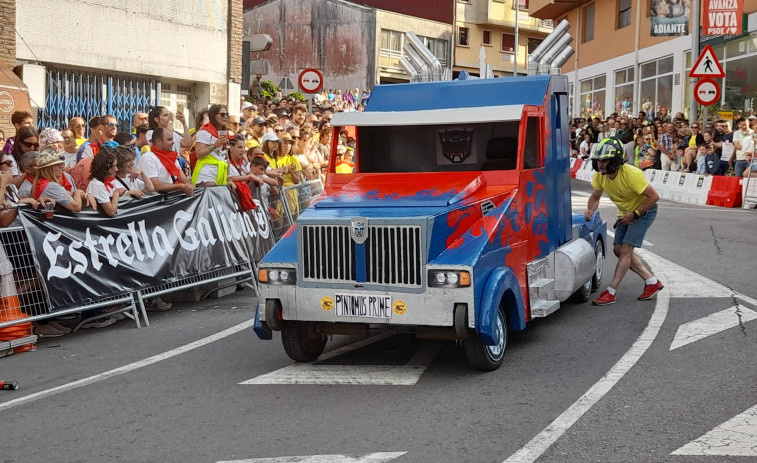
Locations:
{"points": [[102, 182], [211, 147]]}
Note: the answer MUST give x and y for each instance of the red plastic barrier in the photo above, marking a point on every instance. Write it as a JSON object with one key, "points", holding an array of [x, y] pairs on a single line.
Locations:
{"points": [[725, 192], [576, 166]]}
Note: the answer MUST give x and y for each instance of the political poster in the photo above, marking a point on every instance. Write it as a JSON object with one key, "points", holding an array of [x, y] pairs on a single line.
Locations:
{"points": [[670, 17], [85, 257], [722, 17]]}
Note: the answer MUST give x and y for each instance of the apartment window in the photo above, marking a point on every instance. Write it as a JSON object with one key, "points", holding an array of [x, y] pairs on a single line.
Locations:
{"points": [[508, 43], [532, 44], [487, 38], [624, 13], [391, 40], [624, 90], [589, 23], [522, 4], [592, 97], [656, 84], [462, 36]]}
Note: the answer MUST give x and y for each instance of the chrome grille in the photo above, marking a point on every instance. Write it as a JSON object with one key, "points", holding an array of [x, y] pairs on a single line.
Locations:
{"points": [[393, 255], [328, 253]]}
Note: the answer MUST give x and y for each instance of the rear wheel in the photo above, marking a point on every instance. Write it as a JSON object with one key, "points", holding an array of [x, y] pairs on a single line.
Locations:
{"points": [[483, 357], [301, 342]]}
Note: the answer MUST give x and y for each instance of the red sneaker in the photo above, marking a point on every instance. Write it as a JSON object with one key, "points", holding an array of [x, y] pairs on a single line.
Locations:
{"points": [[604, 299], [650, 291]]}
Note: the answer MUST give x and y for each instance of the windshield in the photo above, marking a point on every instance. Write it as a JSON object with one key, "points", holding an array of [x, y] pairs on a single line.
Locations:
{"points": [[438, 148]]}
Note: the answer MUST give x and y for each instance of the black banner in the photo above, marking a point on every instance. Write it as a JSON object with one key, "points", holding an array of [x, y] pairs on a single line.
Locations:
{"points": [[85, 257]]}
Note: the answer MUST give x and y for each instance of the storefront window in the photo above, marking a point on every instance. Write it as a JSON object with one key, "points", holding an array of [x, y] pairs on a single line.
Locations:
{"points": [[656, 85], [624, 91], [592, 98], [740, 66]]}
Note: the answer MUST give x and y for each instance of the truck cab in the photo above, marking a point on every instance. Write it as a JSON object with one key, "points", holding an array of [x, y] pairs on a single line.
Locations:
{"points": [[456, 223]]}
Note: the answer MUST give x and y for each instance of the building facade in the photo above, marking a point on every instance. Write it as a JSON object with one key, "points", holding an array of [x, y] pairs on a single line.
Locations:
{"points": [[96, 57], [491, 24], [618, 66], [354, 44]]}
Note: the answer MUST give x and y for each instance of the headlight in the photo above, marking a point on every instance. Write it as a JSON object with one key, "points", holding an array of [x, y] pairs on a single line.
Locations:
{"points": [[448, 278], [277, 276]]}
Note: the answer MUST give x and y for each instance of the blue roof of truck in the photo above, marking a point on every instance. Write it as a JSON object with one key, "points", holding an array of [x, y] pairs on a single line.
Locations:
{"points": [[502, 91], [458, 101]]}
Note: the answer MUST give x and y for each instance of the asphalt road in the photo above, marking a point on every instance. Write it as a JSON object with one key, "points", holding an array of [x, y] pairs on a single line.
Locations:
{"points": [[572, 387]]}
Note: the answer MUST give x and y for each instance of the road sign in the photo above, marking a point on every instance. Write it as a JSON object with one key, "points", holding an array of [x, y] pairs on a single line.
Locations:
{"points": [[707, 92], [311, 80], [707, 65], [286, 84]]}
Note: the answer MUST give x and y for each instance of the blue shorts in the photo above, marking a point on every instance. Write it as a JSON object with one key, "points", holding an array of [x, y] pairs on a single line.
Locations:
{"points": [[634, 232]]}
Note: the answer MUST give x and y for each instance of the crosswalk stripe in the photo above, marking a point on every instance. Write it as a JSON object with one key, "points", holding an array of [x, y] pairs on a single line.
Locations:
{"points": [[378, 457]]}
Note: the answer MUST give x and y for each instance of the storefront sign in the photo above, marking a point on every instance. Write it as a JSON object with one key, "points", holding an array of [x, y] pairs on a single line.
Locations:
{"points": [[727, 115], [722, 17], [669, 18]]}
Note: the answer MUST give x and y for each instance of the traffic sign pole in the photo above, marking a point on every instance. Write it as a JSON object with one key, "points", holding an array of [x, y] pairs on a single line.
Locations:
{"points": [[695, 21]]}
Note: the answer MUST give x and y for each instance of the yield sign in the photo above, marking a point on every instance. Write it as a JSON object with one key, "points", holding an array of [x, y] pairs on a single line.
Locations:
{"points": [[707, 65]]}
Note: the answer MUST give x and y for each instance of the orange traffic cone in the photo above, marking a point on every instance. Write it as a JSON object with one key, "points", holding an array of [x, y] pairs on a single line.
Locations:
{"points": [[10, 309]]}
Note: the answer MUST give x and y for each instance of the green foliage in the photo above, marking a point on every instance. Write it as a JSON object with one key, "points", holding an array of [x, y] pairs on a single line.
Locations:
{"points": [[268, 88], [297, 96]]}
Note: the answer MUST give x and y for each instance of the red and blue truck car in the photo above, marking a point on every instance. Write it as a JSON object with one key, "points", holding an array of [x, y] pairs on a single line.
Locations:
{"points": [[455, 224]]}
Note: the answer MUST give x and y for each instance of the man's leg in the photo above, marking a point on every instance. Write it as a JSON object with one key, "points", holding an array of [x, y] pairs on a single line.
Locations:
{"points": [[625, 259]]}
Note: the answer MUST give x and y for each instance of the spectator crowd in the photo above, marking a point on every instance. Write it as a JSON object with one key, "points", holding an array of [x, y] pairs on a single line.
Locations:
{"points": [[267, 145], [673, 143]]}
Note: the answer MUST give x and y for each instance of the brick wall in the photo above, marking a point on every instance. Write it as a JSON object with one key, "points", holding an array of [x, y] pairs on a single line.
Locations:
{"points": [[236, 26], [7, 34]]}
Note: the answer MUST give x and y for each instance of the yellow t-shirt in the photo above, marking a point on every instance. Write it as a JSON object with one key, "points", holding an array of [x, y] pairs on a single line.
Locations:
{"points": [[79, 141], [285, 161], [625, 190], [251, 143]]}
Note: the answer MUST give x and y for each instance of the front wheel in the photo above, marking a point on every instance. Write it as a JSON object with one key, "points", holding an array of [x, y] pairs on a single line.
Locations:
{"points": [[301, 342], [599, 253], [482, 356]]}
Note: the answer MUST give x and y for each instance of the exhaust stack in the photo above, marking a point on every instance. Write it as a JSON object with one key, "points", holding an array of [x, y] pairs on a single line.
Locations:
{"points": [[549, 41]]}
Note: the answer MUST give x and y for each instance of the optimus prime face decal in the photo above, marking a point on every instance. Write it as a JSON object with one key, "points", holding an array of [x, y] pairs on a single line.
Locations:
{"points": [[457, 146], [359, 230]]}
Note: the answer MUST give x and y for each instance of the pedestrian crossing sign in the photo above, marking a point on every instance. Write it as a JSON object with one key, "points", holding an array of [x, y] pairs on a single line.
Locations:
{"points": [[707, 65]]}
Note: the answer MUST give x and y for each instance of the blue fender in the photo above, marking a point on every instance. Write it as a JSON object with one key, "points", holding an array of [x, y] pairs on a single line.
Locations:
{"points": [[501, 283], [263, 332]]}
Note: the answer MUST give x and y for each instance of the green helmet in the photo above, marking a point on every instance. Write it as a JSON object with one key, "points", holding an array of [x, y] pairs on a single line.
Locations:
{"points": [[608, 149]]}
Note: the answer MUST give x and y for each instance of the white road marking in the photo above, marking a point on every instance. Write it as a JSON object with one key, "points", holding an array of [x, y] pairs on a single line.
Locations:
{"points": [[378, 457], [711, 324], [127, 368], [611, 234], [737, 437], [679, 282], [549, 435], [372, 375]]}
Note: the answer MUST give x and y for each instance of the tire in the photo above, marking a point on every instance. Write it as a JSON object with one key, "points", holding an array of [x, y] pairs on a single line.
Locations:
{"points": [[301, 342], [483, 357], [461, 322], [582, 294], [599, 252], [272, 311]]}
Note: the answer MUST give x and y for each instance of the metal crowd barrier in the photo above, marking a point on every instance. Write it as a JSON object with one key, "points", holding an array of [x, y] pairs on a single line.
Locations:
{"points": [[283, 211]]}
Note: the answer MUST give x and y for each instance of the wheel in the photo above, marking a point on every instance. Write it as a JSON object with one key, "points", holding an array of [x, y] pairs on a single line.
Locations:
{"points": [[272, 312], [461, 321], [582, 294], [483, 357], [599, 252], [301, 342]]}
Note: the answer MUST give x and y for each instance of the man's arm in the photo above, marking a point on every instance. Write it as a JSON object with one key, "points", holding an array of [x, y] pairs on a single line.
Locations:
{"points": [[163, 187], [593, 204]]}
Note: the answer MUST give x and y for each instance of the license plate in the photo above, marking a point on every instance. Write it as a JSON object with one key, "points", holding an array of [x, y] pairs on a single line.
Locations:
{"points": [[363, 305]]}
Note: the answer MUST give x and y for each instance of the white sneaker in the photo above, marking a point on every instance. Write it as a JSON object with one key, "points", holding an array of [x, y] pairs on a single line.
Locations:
{"points": [[159, 305], [100, 323]]}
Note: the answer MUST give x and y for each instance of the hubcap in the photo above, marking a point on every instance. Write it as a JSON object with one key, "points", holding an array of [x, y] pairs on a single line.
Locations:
{"points": [[498, 350], [600, 264]]}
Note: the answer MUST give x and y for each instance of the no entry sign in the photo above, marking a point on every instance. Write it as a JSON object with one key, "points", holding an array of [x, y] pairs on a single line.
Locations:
{"points": [[311, 80]]}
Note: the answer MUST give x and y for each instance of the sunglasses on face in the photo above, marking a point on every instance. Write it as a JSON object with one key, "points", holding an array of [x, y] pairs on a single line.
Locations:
{"points": [[233, 123], [30, 145], [112, 124], [6, 163], [223, 114]]}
